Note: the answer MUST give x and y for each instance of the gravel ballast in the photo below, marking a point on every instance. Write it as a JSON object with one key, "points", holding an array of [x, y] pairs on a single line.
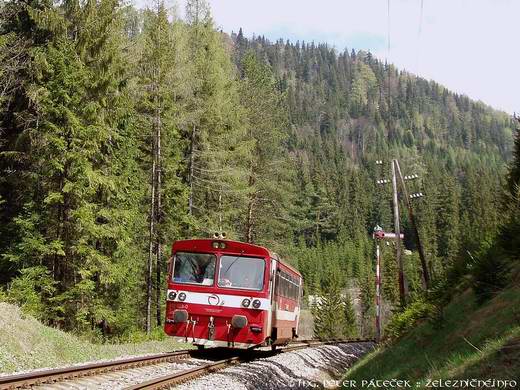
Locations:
{"points": [[306, 368]]}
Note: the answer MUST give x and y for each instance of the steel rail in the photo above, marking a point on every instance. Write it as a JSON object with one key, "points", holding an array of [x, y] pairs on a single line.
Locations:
{"points": [[185, 375], [60, 374]]}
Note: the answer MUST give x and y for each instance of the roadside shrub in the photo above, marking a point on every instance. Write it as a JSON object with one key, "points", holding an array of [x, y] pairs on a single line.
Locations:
{"points": [[139, 336], [33, 291], [3, 295], [404, 321], [491, 270], [489, 273]]}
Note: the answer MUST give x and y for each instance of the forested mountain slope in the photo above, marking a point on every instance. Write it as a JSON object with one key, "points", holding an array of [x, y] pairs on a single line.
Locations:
{"points": [[122, 130], [372, 107], [467, 326], [349, 109]]}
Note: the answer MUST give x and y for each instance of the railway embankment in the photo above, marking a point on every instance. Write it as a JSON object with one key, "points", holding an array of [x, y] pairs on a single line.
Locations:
{"points": [[27, 344], [470, 341]]}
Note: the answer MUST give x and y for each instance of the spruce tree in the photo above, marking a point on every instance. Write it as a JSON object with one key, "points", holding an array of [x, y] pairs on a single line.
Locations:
{"points": [[218, 150], [161, 97], [268, 190], [77, 221], [351, 329], [327, 323]]}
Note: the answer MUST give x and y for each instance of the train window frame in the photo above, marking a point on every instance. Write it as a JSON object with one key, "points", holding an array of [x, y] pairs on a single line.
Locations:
{"points": [[287, 285], [215, 256], [218, 267]]}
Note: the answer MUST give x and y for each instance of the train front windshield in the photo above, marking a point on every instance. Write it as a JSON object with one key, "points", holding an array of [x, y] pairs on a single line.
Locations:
{"points": [[241, 272], [194, 268]]}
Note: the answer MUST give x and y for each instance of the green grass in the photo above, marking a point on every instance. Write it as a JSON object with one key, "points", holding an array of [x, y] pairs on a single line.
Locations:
{"points": [[27, 344], [472, 341]]}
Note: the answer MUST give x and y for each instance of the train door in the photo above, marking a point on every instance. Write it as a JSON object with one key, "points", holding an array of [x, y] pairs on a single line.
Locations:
{"points": [[272, 286], [299, 304]]}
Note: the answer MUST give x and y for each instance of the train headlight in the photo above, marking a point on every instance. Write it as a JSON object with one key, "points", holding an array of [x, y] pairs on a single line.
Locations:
{"points": [[246, 302], [182, 296], [256, 303], [172, 295], [215, 244]]}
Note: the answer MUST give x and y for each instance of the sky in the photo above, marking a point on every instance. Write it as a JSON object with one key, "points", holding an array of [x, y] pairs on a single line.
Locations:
{"points": [[470, 46]]}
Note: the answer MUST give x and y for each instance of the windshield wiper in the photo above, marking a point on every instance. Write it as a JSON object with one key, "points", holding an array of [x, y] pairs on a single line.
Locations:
{"points": [[234, 261]]}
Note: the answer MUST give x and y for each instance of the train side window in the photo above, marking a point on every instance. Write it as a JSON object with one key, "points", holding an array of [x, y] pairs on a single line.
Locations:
{"points": [[284, 285], [280, 284], [287, 287]]}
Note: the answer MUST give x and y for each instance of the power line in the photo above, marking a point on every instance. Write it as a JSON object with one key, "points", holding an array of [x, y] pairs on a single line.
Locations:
{"points": [[388, 32], [419, 32]]}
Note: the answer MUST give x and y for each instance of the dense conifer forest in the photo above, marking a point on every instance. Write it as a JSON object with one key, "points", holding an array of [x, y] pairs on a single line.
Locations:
{"points": [[122, 130]]}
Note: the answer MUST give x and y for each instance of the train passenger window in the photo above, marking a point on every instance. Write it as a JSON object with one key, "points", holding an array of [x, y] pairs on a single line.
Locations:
{"points": [[287, 285], [241, 272], [197, 268]]}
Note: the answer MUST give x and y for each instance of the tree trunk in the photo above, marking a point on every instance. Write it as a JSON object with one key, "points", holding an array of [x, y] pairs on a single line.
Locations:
{"points": [[192, 168], [158, 217], [249, 223], [150, 252], [250, 207]]}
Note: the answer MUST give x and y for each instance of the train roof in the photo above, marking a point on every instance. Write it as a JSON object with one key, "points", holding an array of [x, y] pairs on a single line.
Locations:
{"points": [[206, 244]]}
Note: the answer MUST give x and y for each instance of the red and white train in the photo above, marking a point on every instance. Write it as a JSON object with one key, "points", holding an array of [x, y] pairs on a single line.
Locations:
{"points": [[231, 294]]}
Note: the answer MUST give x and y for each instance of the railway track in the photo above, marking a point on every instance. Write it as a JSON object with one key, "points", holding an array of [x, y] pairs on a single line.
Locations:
{"points": [[186, 375], [61, 374]]}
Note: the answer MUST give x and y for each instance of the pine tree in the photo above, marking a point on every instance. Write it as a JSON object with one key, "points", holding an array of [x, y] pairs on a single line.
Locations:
{"points": [[218, 150], [448, 224], [351, 329], [366, 282], [268, 191], [160, 97], [80, 157], [513, 178], [327, 323]]}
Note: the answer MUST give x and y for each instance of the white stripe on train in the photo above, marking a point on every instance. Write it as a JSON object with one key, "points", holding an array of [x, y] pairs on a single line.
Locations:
{"points": [[218, 300], [234, 301]]}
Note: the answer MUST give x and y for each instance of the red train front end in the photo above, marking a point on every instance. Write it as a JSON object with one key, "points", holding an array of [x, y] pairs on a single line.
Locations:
{"points": [[219, 293]]}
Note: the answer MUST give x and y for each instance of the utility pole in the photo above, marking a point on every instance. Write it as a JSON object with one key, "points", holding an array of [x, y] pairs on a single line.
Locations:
{"points": [[397, 230], [378, 286], [424, 265], [379, 235], [378, 293], [396, 171]]}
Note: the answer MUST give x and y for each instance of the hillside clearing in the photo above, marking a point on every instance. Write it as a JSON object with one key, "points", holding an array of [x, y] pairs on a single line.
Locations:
{"points": [[27, 344], [481, 342]]}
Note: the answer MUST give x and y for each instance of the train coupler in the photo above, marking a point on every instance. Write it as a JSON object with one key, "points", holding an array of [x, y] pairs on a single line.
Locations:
{"points": [[211, 329]]}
